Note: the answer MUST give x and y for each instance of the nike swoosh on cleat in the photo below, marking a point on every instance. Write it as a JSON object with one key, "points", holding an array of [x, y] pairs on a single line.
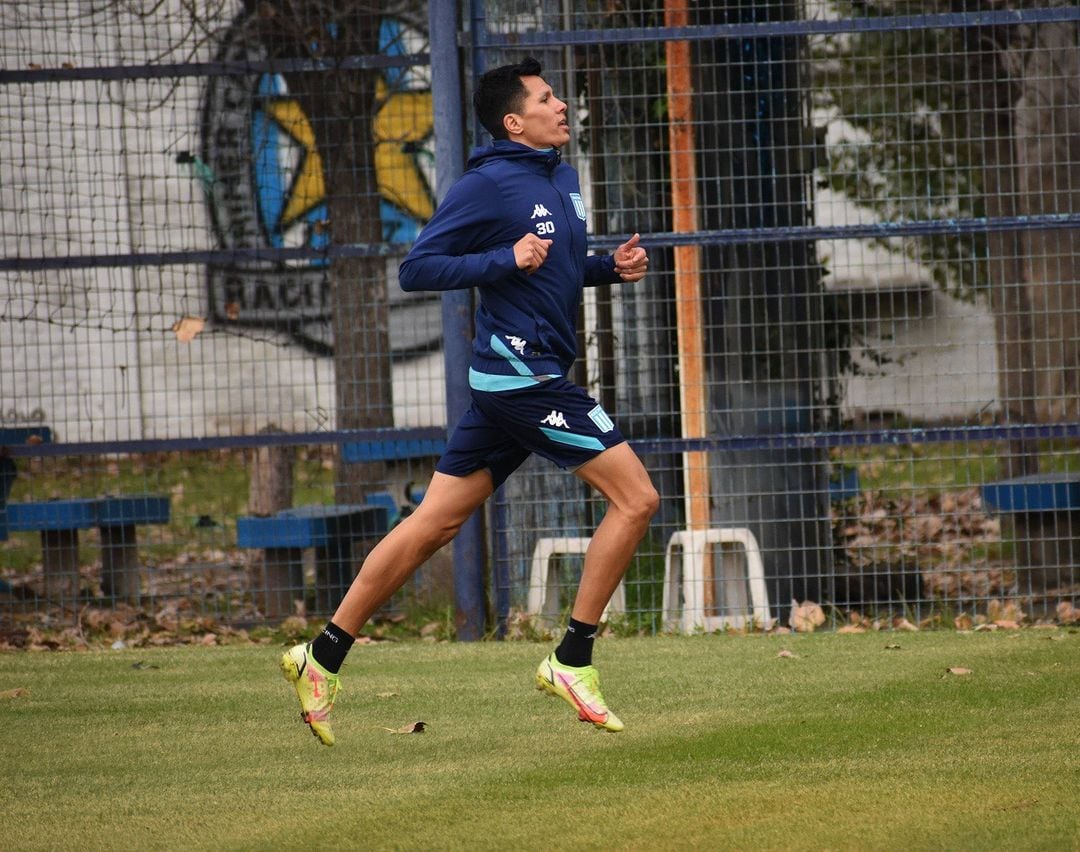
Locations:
{"points": [[584, 707]]}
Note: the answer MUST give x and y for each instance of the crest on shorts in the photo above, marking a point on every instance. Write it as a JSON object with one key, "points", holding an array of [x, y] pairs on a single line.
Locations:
{"points": [[601, 419], [579, 205]]}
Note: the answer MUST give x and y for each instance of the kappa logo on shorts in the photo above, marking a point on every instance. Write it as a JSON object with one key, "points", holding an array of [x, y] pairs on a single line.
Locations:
{"points": [[516, 343], [556, 419], [601, 419]]}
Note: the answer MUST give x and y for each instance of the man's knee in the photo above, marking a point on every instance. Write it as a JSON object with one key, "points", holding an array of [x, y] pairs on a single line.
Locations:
{"points": [[651, 501], [642, 504], [431, 530]]}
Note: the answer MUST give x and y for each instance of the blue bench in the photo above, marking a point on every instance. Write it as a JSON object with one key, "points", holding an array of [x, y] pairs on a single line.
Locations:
{"points": [[392, 449], [1039, 492], [1045, 508], [12, 436], [844, 484], [59, 522], [329, 531]]}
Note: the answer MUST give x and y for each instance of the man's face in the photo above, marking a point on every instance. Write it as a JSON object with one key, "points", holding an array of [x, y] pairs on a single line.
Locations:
{"points": [[542, 120]]}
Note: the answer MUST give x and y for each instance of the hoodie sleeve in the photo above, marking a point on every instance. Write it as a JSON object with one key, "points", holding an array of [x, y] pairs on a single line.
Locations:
{"points": [[600, 269], [458, 248]]}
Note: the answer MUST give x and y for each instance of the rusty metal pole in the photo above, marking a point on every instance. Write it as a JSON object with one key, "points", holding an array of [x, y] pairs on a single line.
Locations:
{"points": [[688, 309], [689, 312]]}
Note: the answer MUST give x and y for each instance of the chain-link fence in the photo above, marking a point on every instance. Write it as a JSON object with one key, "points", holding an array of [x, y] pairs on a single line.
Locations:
{"points": [[851, 371]]}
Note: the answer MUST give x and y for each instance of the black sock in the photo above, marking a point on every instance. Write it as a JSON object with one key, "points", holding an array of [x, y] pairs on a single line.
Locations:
{"points": [[576, 646], [330, 647]]}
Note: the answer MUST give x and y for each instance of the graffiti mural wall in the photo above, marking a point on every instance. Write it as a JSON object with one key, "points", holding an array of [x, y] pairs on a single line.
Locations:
{"points": [[149, 170]]}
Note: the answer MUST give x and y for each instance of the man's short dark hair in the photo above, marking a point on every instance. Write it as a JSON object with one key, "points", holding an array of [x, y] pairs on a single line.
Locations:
{"points": [[500, 91]]}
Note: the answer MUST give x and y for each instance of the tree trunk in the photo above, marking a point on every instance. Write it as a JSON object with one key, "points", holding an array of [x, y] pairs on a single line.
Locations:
{"points": [[1046, 124], [1025, 114], [271, 484], [1047, 131], [990, 99], [341, 106]]}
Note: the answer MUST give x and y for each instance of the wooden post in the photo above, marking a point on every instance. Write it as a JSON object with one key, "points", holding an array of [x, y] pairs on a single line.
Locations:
{"points": [[60, 560], [271, 485], [275, 576], [688, 309], [120, 562], [277, 581]]}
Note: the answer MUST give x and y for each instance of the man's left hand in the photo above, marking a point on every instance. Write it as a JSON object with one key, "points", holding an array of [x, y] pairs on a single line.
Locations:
{"points": [[631, 260]]}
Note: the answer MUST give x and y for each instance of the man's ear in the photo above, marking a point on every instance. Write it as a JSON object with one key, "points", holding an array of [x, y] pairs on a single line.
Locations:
{"points": [[512, 123]]}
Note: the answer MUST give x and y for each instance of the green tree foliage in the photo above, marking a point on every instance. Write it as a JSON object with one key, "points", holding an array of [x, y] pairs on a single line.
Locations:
{"points": [[902, 98]]}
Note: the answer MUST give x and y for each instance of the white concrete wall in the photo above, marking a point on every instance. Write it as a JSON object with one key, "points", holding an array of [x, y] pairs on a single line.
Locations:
{"points": [[935, 360]]}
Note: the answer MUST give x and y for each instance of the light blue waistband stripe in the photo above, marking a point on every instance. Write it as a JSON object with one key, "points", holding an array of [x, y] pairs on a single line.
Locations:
{"points": [[493, 383], [586, 442]]}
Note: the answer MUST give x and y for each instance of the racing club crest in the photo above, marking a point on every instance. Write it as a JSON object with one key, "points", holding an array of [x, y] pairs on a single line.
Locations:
{"points": [[265, 186]]}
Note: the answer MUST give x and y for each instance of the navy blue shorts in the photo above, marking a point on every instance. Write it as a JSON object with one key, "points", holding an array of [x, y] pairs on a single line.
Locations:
{"points": [[557, 420]]}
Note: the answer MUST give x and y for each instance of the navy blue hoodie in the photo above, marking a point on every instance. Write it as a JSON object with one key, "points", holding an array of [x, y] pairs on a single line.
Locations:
{"points": [[525, 324]]}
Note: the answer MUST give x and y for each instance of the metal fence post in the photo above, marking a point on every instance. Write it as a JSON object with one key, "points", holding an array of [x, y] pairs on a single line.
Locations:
{"points": [[468, 547]]}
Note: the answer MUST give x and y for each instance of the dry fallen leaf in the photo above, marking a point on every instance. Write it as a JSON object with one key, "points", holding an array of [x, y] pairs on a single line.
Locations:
{"points": [[414, 728], [786, 654], [385, 695], [904, 624], [1067, 613], [892, 647], [852, 628], [186, 328], [959, 670], [806, 617], [19, 692], [963, 622]]}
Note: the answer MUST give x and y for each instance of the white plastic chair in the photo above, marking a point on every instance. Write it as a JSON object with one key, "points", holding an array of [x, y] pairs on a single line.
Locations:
{"points": [[543, 582], [739, 578]]}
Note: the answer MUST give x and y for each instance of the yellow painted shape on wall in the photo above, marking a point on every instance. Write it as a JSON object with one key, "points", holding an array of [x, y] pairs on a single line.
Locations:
{"points": [[403, 118], [309, 187]]}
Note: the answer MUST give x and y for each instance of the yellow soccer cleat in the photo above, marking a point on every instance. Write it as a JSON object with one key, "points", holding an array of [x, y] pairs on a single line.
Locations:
{"points": [[580, 688], [315, 687]]}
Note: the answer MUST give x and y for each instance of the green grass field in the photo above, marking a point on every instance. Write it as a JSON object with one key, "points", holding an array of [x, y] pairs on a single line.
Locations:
{"points": [[854, 742]]}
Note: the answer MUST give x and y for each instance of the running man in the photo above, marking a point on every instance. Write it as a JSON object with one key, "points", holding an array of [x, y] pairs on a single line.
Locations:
{"points": [[513, 226]]}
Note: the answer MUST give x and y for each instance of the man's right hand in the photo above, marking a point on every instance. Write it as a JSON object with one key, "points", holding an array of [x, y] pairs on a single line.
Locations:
{"points": [[530, 252]]}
